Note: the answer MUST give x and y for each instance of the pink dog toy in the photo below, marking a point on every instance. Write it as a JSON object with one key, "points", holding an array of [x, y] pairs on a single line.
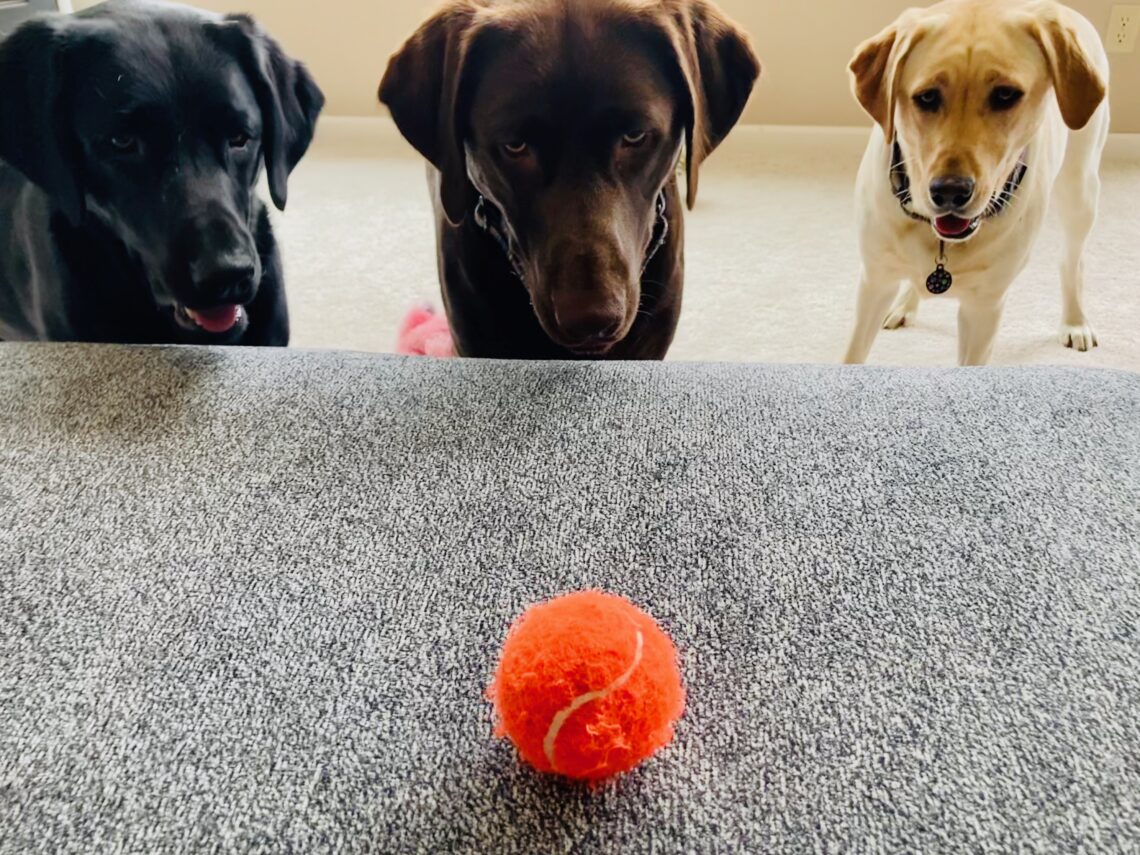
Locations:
{"points": [[424, 332]]}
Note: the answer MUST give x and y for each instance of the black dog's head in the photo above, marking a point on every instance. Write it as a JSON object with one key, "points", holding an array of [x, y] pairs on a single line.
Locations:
{"points": [[569, 115], [156, 120]]}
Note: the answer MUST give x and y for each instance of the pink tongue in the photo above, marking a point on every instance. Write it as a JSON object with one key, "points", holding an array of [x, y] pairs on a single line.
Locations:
{"points": [[951, 225], [219, 320]]}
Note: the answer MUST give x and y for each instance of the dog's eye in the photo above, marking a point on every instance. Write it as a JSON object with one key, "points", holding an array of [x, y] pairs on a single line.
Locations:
{"points": [[239, 140], [1005, 98], [516, 150], [635, 140], [929, 101], [125, 143]]}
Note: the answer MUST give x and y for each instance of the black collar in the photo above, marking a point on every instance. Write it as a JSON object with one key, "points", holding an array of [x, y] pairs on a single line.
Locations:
{"points": [[493, 222], [900, 185]]}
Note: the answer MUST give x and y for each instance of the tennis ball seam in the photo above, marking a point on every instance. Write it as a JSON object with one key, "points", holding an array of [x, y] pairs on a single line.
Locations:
{"points": [[559, 721]]}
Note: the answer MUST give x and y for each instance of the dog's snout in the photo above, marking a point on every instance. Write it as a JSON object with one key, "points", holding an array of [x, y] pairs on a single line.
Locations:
{"points": [[586, 319], [589, 291], [222, 261], [952, 192], [230, 279]]}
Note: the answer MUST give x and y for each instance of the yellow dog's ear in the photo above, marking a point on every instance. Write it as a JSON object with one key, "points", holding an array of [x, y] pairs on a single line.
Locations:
{"points": [[423, 90], [876, 67], [1080, 87]]}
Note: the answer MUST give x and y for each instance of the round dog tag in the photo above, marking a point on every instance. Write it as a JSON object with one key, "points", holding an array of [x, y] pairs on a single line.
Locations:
{"points": [[940, 281]]}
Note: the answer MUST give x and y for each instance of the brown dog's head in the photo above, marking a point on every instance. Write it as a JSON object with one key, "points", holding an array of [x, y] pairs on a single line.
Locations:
{"points": [[964, 86], [569, 115]]}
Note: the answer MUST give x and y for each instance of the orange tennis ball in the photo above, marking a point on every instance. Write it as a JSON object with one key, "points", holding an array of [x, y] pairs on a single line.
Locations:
{"points": [[588, 687]]}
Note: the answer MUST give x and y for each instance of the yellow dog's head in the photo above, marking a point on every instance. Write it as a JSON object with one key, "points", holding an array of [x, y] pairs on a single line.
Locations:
{"points": [[964, 86]]}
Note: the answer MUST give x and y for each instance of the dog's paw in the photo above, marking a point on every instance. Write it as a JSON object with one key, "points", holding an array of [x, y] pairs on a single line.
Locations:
{"points": [[904, 312], [1079, 337], [901, 316]]}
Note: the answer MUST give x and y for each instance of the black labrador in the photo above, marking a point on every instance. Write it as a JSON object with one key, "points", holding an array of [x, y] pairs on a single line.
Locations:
{"points": [[554, 129], [132, 138]]}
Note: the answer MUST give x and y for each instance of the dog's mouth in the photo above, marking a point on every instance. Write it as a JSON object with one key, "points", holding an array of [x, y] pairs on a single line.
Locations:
{"points": [[953, 228], [598, 346], [216, 320], [593, 350]]}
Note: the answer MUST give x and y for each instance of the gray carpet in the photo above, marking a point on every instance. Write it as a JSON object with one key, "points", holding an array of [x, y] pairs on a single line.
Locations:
{"points": [[250, 601]]}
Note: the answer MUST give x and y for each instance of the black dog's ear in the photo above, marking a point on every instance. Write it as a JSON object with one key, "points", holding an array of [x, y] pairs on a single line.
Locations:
{"points": [[289, 98], [423, 88], [35, 129], [720, 70]]}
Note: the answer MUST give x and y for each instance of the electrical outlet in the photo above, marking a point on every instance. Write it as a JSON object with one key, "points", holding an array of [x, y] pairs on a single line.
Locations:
{"points": [[1123, 29]]}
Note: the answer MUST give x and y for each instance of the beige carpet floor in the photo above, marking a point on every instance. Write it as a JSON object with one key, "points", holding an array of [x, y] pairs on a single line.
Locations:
{"points": [[772, 258]]}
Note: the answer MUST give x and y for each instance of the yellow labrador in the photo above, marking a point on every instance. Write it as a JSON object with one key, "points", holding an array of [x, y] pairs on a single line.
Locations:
{"points": [[984, 110]]}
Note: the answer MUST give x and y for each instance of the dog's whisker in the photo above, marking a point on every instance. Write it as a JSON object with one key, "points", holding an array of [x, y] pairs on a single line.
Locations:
{"points": [[1001, 200]]}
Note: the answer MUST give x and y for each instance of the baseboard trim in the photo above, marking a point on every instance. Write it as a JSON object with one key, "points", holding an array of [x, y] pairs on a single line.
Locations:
{"points": [[1123, 147]]}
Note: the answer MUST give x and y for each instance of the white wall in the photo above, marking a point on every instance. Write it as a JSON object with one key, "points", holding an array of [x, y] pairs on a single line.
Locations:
{"points": [[805, 49]]}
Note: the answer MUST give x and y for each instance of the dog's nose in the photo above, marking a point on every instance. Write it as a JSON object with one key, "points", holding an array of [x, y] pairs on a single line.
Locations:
{"points": [[587, 321], [951, 192], [225, 280]]}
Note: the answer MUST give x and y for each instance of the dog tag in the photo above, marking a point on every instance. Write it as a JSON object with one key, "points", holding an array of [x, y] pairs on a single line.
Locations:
{"points": [[940, 281]]}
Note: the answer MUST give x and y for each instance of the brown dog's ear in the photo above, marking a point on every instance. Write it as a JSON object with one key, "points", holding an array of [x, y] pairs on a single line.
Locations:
{"points": [[1081, 89], [721, 69], [421, 88], [289, 99], [875, 70], [35, 126]]}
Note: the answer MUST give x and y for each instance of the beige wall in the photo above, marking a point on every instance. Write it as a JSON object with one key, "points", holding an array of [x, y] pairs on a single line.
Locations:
{"points": [[805, 50]]}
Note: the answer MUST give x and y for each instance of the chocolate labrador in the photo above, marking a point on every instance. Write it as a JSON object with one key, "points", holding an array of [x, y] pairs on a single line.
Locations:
{"points": [[132, 137], [554, 129]]}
